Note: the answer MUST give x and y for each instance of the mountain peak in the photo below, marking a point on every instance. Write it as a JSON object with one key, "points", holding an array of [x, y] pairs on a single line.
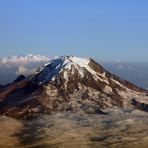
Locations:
{"points": [[56, 66], [67, 61]]}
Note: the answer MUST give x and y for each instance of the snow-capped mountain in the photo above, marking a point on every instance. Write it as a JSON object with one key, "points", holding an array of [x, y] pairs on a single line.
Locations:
{"points": [[72, 84]]}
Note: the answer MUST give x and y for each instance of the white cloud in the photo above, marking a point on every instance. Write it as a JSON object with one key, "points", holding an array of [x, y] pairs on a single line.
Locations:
{"points": [[12, 66], [22, 70], [23, 60]]}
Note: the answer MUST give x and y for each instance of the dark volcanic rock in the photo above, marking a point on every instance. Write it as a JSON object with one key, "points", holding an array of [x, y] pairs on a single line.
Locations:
{"points": [[140, 105], [19, 78]]}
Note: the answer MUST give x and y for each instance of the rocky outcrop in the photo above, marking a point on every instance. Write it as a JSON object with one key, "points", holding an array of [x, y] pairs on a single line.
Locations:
{"points": [[140, 105]]}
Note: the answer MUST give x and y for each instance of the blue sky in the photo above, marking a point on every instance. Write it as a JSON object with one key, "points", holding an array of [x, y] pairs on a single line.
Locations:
{"points": [[102, 29]]}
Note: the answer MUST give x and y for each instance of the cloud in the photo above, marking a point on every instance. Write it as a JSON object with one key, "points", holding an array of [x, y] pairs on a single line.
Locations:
{"points": [[12, 66], [22, 70], [22, 60]]}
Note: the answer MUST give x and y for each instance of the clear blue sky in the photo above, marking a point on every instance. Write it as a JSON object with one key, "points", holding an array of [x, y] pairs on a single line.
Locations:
{"points": [[102, 29]]}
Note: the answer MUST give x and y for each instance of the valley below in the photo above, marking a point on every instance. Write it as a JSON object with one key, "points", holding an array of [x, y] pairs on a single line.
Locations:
{"points": [[119, 128]]}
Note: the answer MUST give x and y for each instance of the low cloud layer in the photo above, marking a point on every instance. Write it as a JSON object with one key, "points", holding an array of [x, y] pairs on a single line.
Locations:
{"points": [[23, 60], [13, 66], [22, 70]]}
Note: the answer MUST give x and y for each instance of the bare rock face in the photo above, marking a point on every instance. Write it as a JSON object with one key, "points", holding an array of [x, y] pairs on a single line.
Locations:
{"points": [[140, 105], [71, 84]]}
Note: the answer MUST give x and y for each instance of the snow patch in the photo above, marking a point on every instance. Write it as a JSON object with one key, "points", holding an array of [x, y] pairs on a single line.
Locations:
{"points": [[66, 78], [117, 82], [108, 89]]}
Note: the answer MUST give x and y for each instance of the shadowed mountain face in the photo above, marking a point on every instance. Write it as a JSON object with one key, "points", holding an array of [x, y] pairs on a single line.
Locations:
{"points": [[69, 84]]}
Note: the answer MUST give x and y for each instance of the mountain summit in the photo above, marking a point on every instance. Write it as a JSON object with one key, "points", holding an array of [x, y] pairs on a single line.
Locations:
{"points": [[57, 66], [69, 83]]}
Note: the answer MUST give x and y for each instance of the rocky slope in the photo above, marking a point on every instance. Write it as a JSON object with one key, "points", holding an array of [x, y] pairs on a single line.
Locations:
{"points": [[71, 84]]}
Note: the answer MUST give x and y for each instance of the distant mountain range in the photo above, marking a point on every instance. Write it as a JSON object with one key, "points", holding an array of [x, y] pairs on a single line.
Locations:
{"points": [[135, 72], [69, 84]]}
